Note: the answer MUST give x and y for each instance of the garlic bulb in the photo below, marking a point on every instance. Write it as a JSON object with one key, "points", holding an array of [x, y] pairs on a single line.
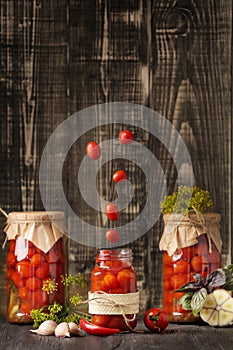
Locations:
{"points": [[74, 328], [45, 328], [62, 330], [218, 308]]}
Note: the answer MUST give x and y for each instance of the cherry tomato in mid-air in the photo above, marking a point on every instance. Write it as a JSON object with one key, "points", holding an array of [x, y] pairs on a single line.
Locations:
{"points": [[156, 320], [112, 211], [112, 236], [93, 150], [125, 137], [119, 176]]}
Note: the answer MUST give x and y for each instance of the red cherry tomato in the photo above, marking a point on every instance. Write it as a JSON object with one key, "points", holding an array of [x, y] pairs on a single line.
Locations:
{"points": [[42, 271], [112, 236], [156, 320], [112, 211], [93, 150], [33, 283], [119, 176], [25, 269], [125, 137], [37, 260]]}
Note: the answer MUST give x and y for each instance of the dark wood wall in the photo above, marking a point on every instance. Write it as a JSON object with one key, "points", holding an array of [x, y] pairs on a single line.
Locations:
{"points": [[59, 57]]}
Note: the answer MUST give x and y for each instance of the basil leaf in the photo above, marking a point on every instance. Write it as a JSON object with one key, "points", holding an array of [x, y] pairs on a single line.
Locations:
{"points": [[198, 300], [229, 268], [228, 285], [185, 301], [189, 287], [199, 278], [217, 278]]}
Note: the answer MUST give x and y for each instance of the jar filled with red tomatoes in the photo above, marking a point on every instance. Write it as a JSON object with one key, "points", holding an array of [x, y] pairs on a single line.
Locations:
{"points": [[36, 255], [192, 245], [114, 299]]}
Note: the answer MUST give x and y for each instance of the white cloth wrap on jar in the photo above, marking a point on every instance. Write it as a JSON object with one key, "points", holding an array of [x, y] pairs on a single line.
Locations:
{"points": [[42, 228], [101, 303], [182, 231]]}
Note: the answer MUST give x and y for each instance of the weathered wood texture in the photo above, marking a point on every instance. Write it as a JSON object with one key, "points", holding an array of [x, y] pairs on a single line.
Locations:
{"points": [[58, 57], [174, 337]]}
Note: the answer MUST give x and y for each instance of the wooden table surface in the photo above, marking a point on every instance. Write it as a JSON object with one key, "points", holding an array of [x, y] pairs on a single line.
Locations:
{"points": [[176, 337]]}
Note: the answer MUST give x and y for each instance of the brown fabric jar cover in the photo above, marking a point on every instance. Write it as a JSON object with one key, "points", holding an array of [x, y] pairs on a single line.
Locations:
{"points": [[42, 228], [182, 231]]}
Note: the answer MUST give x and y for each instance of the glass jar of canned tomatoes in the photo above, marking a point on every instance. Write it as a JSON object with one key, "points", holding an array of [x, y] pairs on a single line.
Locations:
{"points": [[192, 246], [114, 299], [36, 254]]}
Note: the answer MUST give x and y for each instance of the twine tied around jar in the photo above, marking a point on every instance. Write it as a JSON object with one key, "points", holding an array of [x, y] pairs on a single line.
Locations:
{"points": [[102, 303], [206, 225]]}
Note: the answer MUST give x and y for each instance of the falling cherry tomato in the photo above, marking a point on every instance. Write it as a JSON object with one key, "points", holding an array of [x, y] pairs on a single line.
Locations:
{"points": [[112, 236], [125, 137], [119, 176], [93, 150], [112, 211]]}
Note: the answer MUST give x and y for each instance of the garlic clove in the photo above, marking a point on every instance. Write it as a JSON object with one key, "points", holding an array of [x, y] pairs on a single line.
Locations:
{"points": [[74, 328], [62, 330], [45, 328]]}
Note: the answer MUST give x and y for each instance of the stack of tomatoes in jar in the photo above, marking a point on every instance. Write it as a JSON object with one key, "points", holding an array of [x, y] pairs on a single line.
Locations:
{"points": [[26, 275], [178, 270], [114, 274]]}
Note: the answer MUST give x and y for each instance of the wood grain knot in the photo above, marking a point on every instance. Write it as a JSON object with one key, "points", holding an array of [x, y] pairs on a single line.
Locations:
{"points": [[178, 22]]}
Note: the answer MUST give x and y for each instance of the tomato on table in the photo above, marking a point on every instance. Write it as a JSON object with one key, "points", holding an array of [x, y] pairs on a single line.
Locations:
{"points": [[156, 320]]}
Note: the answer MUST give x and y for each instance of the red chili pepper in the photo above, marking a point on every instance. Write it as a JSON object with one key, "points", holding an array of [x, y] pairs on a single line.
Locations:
{"points": [[93, 329]]}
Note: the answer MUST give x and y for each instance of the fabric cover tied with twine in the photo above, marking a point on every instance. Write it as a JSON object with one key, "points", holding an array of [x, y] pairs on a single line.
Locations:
{"points": [[182, 231], [43, 229]]}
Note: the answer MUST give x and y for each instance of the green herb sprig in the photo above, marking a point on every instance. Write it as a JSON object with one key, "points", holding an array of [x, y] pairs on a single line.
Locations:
{"points": [[186, 199], [57, 312]]}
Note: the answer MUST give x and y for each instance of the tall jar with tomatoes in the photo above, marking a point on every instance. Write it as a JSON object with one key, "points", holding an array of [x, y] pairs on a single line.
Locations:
{"points": [[36, 255], [114, 299], [192, 246]]}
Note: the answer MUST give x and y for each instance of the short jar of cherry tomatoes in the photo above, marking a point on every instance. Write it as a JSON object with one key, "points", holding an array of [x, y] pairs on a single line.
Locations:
{"points": [[197, 251], [36, 256], [114, 299]]}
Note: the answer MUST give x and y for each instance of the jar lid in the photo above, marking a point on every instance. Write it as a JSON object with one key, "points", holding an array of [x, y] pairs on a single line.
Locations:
{"points": [[35, 216], [42, 228]]}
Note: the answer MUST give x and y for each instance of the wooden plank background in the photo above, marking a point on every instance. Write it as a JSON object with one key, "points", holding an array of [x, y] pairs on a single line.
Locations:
{"points": [[59, 57]]}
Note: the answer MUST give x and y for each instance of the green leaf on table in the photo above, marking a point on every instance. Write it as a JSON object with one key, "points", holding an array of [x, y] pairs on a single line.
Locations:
{"points": [[185, 301], [198, 300]]}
